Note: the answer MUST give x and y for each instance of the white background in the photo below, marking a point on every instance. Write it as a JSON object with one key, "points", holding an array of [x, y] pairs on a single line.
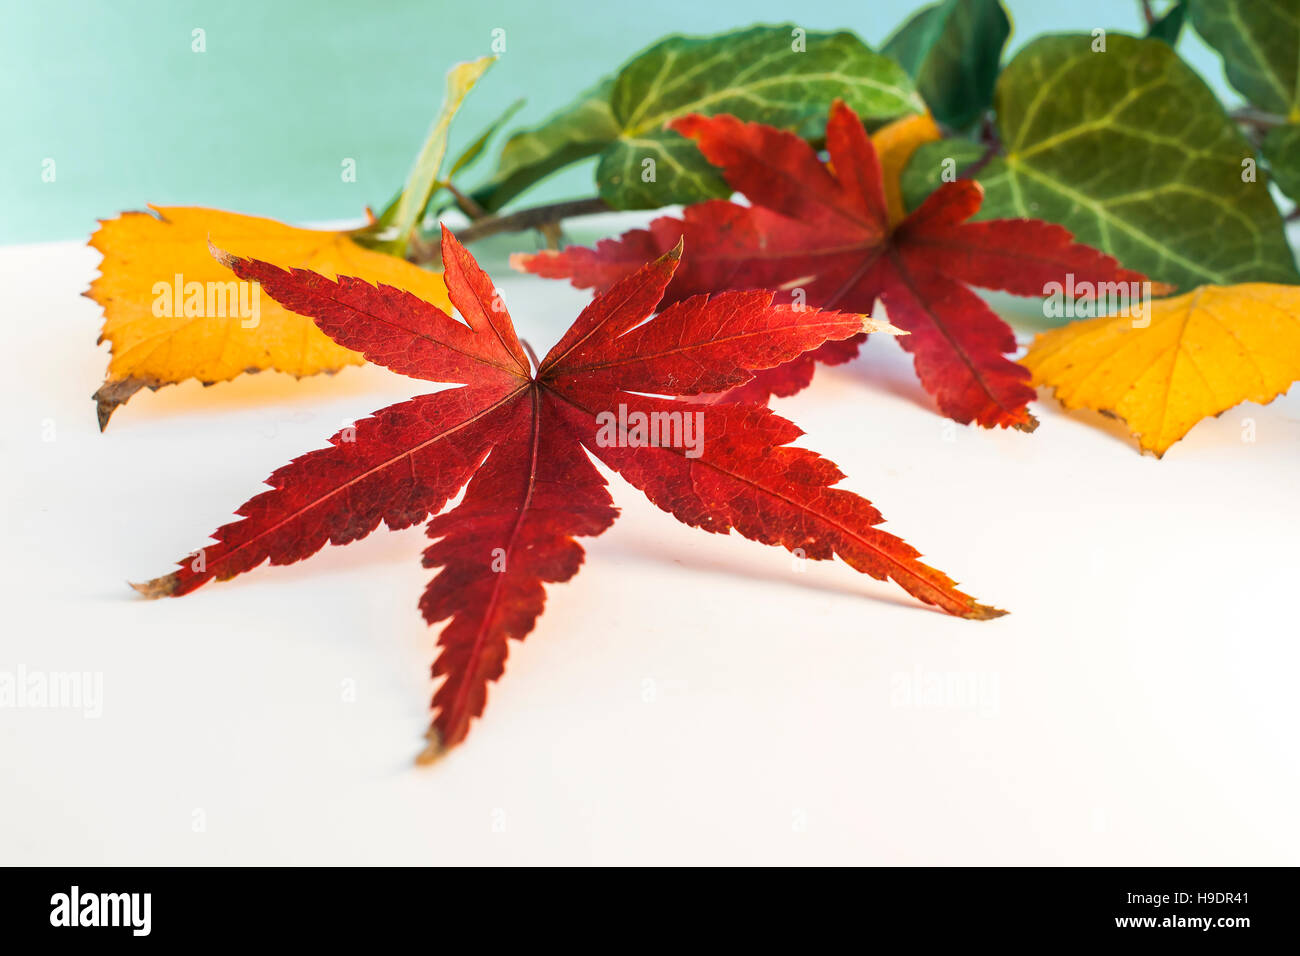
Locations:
{"points": [[687, 698]]}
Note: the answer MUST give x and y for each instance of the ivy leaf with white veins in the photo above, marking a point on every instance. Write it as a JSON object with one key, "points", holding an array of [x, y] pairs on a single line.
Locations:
{"points": [[953, 50], [1260, 46], [1130, 151], [1259, 41]]}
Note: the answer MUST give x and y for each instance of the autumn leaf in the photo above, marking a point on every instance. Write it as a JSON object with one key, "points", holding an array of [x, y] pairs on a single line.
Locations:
{"points": [[171, 312], [822, 235], [523, 439], [1181, 360]]}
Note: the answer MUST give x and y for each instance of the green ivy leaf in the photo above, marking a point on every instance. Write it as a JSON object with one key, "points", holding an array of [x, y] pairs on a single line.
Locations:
{"points": [[944, 161], [1281, 150], [1169, 27], [1259, 41], [953, 50], [677, 171], [1130, 151], [580, 130], [780, 75], [1260, 46]]}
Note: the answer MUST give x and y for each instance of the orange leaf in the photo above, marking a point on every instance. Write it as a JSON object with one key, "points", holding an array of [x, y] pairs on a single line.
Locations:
{"points": [[895, 143], [171, 312]]}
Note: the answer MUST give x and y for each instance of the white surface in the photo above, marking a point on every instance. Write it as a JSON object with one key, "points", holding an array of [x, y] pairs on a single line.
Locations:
{"points": [[1138, 706]]}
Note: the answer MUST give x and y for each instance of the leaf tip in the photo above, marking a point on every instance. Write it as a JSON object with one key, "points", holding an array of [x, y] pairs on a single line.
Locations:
{"points": [[687, 126], [433, 750], [103, 411], [984, 612], [870, 324], [112, 394], [164, 586], [1028, 425], [521, 261], [221, 255], [449, 245], [665, 265]]}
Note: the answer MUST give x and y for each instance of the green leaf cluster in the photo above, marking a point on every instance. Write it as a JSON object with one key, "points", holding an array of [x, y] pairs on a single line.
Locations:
{"points": [[1114, 137], [782, 75], [1119, 140]]}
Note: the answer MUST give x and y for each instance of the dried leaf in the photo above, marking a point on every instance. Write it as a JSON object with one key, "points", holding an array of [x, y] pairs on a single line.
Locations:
{"points": [[171, 313], [823, 236], [1182, 360], [522, 440]]}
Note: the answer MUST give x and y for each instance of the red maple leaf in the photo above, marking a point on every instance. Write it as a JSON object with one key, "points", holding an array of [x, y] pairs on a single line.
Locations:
{"points": [[821, 234], [517, 436]]}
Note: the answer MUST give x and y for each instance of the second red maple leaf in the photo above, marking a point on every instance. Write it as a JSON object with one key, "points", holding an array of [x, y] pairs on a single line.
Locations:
{"points": [[821, 234]]}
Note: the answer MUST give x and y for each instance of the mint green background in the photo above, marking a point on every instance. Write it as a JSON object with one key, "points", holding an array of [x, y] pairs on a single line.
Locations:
{"points": [[261, 122]]}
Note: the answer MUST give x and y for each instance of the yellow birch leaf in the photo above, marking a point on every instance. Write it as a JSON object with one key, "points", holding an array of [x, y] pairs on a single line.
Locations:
{"points": [[1180, 360], [895, 143], [172, 312]]}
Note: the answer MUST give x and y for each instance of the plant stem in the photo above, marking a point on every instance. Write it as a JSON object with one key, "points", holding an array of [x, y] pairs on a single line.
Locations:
{"points": [[466, 203], [989, 136], [1257, 118], [534, 218]]}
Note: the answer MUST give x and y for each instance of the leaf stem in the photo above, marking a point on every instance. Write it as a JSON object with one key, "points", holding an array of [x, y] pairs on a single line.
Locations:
{"points": [[1257, 118], [988, 135], [466, 203], [533, 218]]}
